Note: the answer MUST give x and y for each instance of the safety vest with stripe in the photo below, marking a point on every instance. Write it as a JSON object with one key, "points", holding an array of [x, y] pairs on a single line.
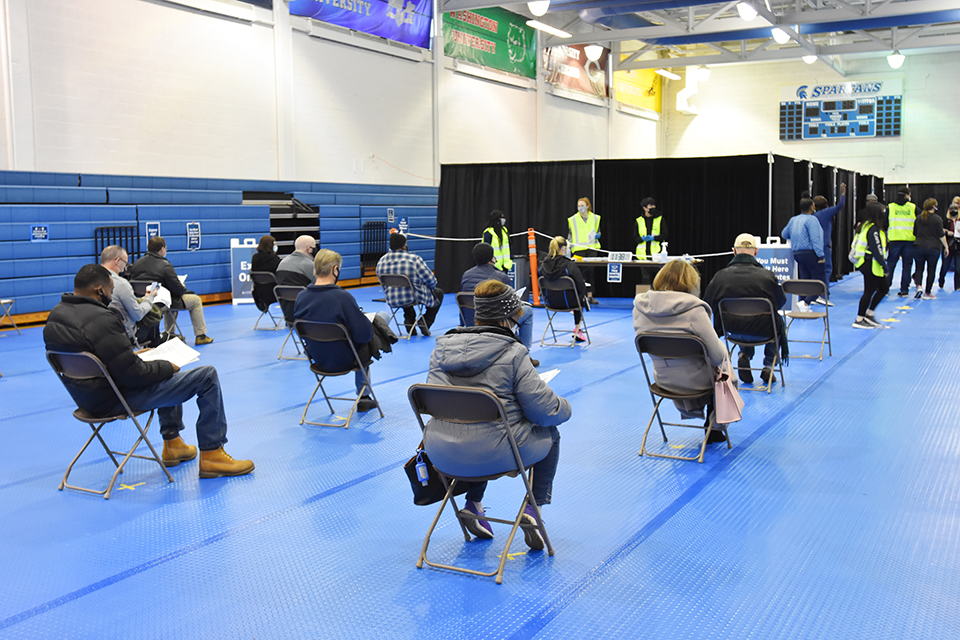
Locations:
{"points": [[861, 249], [501, 248], [580, 231], [901, 218], [654, 231]]}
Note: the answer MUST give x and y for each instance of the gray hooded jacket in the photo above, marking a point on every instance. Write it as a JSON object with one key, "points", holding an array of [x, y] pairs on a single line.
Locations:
{"points": [[491, 358]]}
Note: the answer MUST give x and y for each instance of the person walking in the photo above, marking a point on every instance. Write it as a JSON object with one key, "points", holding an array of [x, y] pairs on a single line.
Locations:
{"points": [[806, 243], [868, 255], [950, 231], [929, 244]]}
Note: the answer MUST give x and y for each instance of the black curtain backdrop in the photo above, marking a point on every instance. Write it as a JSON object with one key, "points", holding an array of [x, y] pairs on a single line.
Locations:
{"points": [[843, 224], [943, 192], [789, 179]]}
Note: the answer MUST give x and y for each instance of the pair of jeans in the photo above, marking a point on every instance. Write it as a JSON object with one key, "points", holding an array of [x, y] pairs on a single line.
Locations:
{"points": [[954, 259], [525, 326], [810, 268], [167, 398], [769, 349], [897, 249], [924, 257], [410, 313], [543, 474]]}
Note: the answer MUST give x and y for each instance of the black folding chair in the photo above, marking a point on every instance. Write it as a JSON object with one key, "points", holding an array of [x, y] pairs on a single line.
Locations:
{"points": [[471, 406], [565, 283], [668, 346], [465, 304], [742, 310], [288, 293], [332, 332], [86, 366], [400, 281], [264, 280], [804, 288]]}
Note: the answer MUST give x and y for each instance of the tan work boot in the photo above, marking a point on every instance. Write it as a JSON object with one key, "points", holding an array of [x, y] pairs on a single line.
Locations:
{"points": [[217, 463], [176, 451]]}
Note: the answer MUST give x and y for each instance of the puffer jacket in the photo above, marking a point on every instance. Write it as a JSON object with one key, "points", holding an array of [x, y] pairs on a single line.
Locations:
{"points": [[491, 358], [682, 313], [80, 323], [557, 267]]}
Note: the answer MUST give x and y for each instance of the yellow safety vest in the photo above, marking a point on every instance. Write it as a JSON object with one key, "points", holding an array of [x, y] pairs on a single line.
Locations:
{"points": [[641, 251], [580, 231], [861, 249], [901, 219], [501, 250]]}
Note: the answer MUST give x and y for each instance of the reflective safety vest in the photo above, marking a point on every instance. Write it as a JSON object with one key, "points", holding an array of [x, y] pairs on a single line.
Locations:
{"points": [[580, 231], [861, 249], [641, 251], [901, 222], [501, 248]]}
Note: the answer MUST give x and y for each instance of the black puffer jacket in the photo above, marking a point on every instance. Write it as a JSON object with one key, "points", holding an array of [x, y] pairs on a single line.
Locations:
{"points": [[557, 267], [157, 269], [80, 323]]}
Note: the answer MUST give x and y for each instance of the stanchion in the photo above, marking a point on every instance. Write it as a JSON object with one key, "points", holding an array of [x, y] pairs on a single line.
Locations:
{"points": [[534, 280]]}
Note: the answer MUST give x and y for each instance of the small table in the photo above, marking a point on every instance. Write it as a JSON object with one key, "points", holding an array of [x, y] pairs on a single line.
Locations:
{"points": [[5, 304], [648, 264]]}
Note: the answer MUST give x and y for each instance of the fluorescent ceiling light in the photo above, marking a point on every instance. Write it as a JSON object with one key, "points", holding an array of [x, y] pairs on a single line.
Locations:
{"points": [[593, 51], [703, 74], [746, 11], [809, 59], [536, 24], [780, 35], [895, 60], [667, 74], [538, 7]]}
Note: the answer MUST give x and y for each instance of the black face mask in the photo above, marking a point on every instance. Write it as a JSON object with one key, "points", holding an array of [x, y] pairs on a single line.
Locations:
{"points": [[104, 298], [336, 276]]}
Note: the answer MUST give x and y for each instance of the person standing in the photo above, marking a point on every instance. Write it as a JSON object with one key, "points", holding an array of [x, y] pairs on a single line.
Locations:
{"points": [[806, 244], [950, 231], [497, 236], [649, 236], [929, 244], [825, 215], [900, 217], [868, 256], [583, 235]]}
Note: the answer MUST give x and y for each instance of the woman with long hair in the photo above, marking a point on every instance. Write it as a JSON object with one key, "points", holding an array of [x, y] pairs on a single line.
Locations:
{"points": [[556, 266], [265, 259], [497, 236], [951, 231], [929, 244], [869, 256]]}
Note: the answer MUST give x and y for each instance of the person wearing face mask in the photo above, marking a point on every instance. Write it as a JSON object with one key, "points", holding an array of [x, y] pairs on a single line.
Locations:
{"points": [[651, 230], [296, 270], [489, 356], [929, 244], [951, 231], [82, 321], [557, 265], [324, 301], [497, 236], [115, 259], [900, 217], [583, 235], [266, 260]]}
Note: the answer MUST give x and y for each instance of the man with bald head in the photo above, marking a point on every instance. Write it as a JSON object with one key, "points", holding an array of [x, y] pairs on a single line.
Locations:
{"points": [[297, 270]]}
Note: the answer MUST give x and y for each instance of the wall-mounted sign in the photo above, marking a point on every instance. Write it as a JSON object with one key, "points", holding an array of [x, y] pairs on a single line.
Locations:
{"points": [[39, 233], [638, 88], [492, 37], [193, 236], [406, 21], [841, 110], [570, 68], [153, 229], [390, 215]]}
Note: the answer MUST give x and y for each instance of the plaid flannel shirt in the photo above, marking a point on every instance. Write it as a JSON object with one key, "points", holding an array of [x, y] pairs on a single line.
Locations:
{"points": [[411, 265]]}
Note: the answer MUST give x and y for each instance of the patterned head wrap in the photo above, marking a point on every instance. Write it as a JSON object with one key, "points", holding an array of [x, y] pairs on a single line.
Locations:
{"points": [[497, 308]]}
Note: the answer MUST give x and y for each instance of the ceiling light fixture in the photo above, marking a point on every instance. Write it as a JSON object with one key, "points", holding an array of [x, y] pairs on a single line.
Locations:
{"points": [[536, 24], [895, 60], [746, 11], [666, 74], [780, 36], [538, 7], [703, 74], [593, 51], [809, 59]]}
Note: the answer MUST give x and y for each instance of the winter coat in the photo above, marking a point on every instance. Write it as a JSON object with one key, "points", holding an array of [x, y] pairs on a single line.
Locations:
{"points": [[151, 266], [491, 358], [557, 267], [264, 261]]}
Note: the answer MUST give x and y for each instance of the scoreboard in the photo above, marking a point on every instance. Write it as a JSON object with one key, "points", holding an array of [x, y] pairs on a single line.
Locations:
{"points": [[846, 110]]}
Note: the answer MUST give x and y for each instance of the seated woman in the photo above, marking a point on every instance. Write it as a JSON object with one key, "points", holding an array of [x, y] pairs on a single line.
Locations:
{"points": [[489, 356], [556, 266], [265, 259], [672, 306]]}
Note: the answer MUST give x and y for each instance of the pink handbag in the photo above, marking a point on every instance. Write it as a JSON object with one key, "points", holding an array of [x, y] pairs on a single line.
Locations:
{"points": [[726, 397]]}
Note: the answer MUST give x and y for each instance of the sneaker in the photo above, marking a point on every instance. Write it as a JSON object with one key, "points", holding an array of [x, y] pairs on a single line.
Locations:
{"points": [[903, 294], [479, 528], [578, 336], [918, 294], [424, 329], [802, 306], [592, 300], [716, 436], [863, 324], [929, 296], [534, 361], [823, 301], [366, 403], [202, 339], [743, 366], [873, 321], [531, 535], [767, 376]]}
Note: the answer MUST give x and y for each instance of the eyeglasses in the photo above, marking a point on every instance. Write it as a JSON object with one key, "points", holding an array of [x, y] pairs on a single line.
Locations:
{"points": [[125, 262]]}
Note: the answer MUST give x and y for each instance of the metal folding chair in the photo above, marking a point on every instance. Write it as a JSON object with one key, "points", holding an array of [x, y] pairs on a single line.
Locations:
{"points": [[743, 309], [267, 280], [332, 332], [467, 406], [288, 293], [170, 314], [465, 304], [672, 347], [565, 283], [86, 366], [806, 288], [5, 304], [400, 281]]}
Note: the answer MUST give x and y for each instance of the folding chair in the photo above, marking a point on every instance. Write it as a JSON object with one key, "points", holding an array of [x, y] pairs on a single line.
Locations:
{"points": [[267, 280], [743, 309], [672, 347], [400, 281], [565, 283], [470, 406], [805, 288], [465, 304], [288, 293], [170, 314], [308, 330], [86, 366], [5, 304]]}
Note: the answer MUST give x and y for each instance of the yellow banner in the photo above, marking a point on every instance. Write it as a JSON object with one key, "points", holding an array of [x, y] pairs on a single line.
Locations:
{"points": [[640, 88]]}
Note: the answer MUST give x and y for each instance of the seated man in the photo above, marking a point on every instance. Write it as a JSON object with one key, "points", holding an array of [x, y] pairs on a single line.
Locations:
{"points": [[114, 259], [155, 266], [324, 301], [82, 322], [399, 261], [296, 270], [744, 277], [486, 269]]}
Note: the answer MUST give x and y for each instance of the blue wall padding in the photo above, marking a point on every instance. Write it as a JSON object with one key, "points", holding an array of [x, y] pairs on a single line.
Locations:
{"points": [[39, 179], [386, 199], [343, 248], [52, 195], [339, 211], [339, 224], [172, 196], [310, 197]]}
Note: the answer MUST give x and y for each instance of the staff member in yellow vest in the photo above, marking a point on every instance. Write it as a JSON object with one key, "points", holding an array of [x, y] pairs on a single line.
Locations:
{"points": [[583, 236], [900, 217], [649, 234], [497, 236], [867, 255]]}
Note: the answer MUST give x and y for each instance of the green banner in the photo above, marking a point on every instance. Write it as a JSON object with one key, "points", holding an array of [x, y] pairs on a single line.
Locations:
{"points": [[492, 37]]}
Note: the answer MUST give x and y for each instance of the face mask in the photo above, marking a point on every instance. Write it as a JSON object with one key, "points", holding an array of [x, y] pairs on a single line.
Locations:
{"points": [[275, 247], [582, 208], [336, 276], [503, 221], [104, 298]]}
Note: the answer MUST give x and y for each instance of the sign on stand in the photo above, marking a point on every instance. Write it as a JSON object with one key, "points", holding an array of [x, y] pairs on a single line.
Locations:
{"points": [[777, 257], [240, 256], [614, 272]]}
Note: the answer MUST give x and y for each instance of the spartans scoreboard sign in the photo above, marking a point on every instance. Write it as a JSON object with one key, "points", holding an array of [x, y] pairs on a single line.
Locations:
{"points": [[870, 109]]}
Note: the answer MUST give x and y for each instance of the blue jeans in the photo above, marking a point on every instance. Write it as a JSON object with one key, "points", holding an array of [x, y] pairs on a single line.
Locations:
{"points": [[167, 398], [543, 474], [769, 349], [525, 326], [898, 249]]}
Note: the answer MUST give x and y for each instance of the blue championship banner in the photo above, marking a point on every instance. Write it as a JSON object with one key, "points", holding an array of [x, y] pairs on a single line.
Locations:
{"points": [[406, 21]]}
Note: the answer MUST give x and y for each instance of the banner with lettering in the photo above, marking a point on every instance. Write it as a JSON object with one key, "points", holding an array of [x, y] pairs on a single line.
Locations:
{"points": [[638, 88], [492, 37], [406, 21], [569, 67]]}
